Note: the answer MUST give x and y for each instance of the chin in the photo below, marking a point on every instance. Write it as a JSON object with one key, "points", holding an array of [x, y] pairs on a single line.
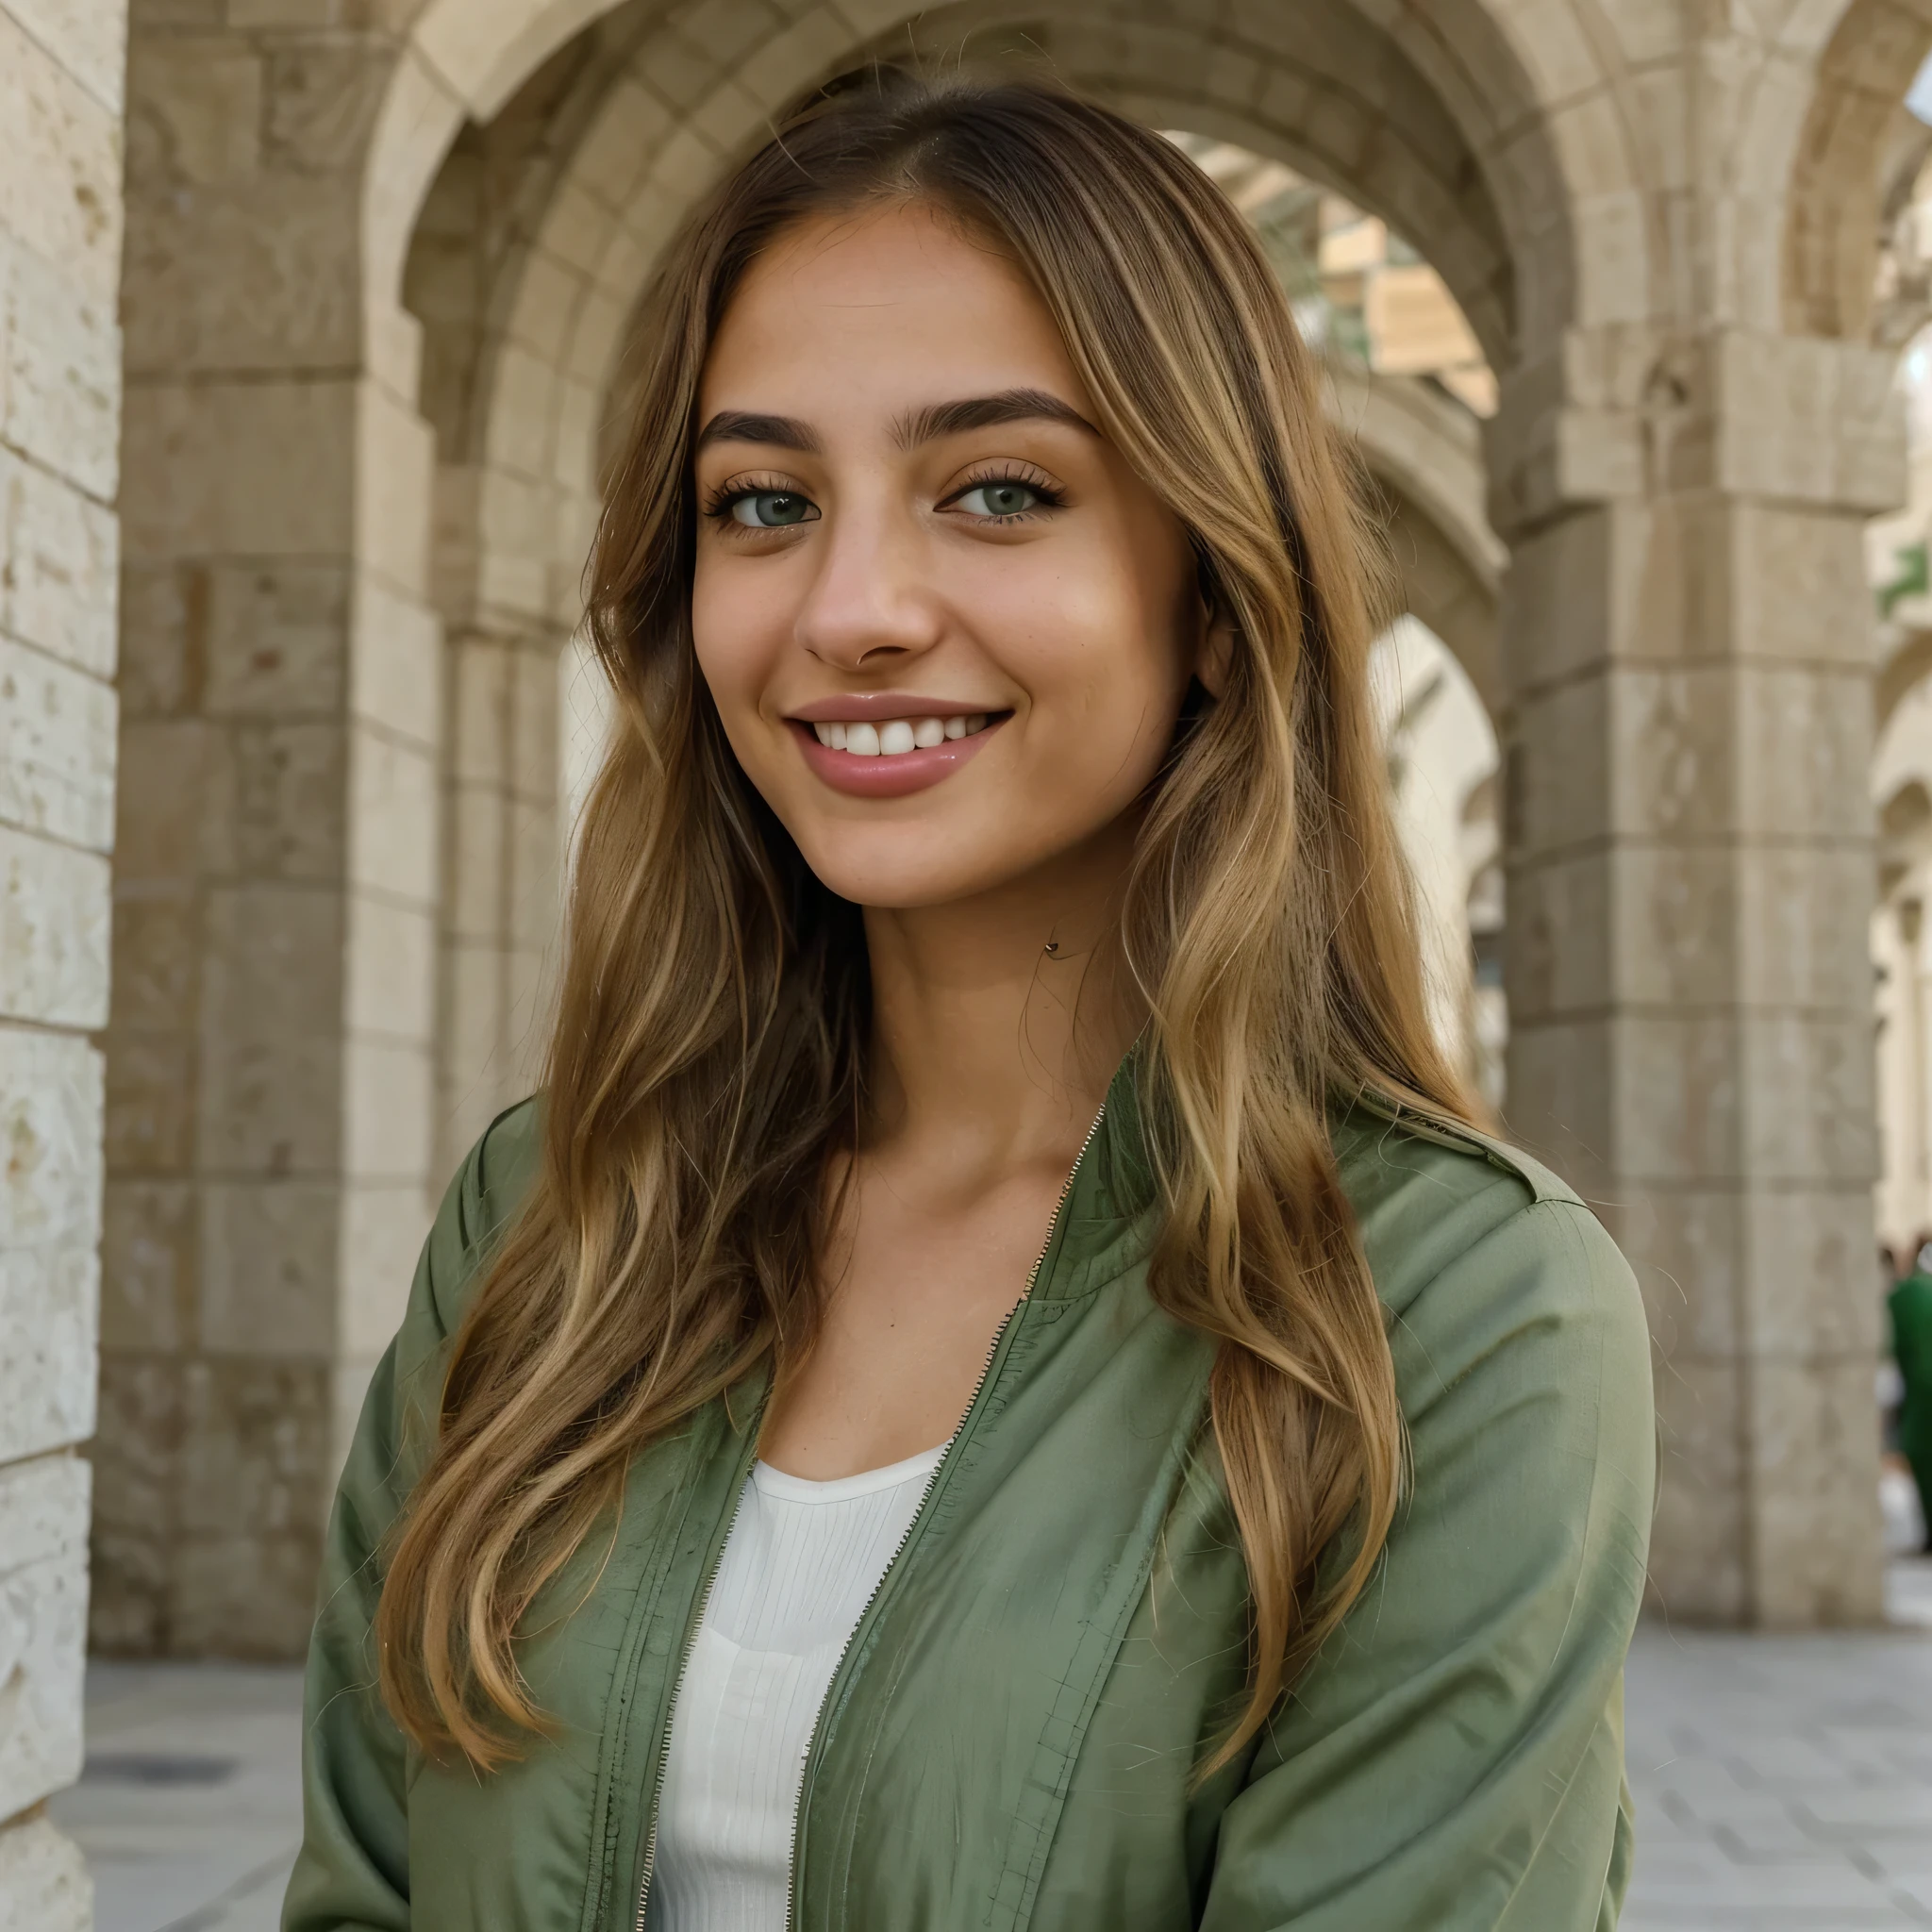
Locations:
{"points": [[904, 877]]}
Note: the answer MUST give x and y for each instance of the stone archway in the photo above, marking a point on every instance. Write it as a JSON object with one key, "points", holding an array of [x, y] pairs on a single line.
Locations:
{"points": [[273, 1110]]}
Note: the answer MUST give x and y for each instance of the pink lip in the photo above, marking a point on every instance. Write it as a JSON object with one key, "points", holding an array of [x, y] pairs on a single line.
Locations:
{"points": [[887, 777]]}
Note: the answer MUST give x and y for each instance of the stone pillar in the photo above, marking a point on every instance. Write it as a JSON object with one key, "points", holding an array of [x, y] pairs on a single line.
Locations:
{"points": [[501, 885], [269, 1065], [60, 107], [1688, 657]]}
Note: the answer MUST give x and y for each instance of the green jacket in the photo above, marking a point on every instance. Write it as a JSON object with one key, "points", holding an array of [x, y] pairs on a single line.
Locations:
{"points": [[1009, 1738], [1910, 1305]]}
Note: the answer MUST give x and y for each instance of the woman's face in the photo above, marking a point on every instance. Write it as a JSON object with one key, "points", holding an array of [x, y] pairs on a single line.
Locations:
{"points": [[947, 629]]}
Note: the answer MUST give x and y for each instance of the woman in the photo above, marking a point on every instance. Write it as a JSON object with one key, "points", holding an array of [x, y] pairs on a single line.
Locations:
{"points": [[998, 1385]]}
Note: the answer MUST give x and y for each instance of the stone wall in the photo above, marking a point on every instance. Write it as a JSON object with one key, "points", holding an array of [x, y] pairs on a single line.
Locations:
{"points": [[60, 111]]}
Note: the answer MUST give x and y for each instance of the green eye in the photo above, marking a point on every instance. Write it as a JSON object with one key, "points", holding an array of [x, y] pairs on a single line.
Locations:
{"points": [[772, 510], [1007, 499]]}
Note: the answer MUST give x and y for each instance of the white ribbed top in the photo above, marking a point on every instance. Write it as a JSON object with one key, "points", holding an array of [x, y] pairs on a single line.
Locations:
{"points": [[800, 1562]]}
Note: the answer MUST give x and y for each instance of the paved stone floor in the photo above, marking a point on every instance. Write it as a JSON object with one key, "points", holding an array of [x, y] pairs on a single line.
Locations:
{"points": [[1782, 1784]]}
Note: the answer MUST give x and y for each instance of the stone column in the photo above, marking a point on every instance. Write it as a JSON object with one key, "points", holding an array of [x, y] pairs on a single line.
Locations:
{"points": [[60, 111], [269, 1066], [1688, 657]]}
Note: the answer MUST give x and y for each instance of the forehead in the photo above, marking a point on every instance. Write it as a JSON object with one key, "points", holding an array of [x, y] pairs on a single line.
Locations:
{"points": [[880, 310]]}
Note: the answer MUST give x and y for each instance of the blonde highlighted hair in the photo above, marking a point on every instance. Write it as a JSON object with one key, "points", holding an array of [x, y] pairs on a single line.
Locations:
{"points": [[709, 1054]]}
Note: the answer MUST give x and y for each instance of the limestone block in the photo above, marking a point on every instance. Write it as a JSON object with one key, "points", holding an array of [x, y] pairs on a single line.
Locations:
{"points": [[615, 151], [50, 1122], [1683, 1245], [208, 469], [772, 75], [522, 429], [1804, 751], [388, 1111], [43, 1881], [396, 665], [49, 1299], [163, 801], [1808, 1245], [578, 227], [54, 907], [392, 969], [419, 118], [57, 749], [1814, 1439], [322, 100], [61, 168], [42, 1625], [257, 271], [1800, 593], [269, 1061], [59, 372], [597, 332], [250, 1595], [581, 414], [57, 589], [395, 808], [1561, 1096], [1801, 911], [1680, 1096], [87, 38], [732, 120], [277, 640], [477, 872], [268, 1286], [1559, 770], [155, 979], [1644, 925], [395, 467], [1612, 247], [274, 801], [150, 1103], [162, 628], [384, 1226], [150, 1265], [136, 1481], [195, 110], [1698, 1567], [1807, 420], [1821, 1128]]}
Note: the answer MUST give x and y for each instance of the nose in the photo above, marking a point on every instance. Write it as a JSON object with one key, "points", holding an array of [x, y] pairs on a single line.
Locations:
{"points": [[873, 602]]}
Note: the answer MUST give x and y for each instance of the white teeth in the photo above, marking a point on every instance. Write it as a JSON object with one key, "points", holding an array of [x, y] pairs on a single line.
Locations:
{"points": [[896, 736]]}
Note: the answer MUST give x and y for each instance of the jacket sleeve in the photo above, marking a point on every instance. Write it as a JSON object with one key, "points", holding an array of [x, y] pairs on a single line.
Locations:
{"points": [[352, 1873], [1452, 1761]]}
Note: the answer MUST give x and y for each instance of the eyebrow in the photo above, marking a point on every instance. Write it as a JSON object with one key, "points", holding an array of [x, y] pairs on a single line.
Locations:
{"points": [[984, 413], [920, 426], [741, 426]]}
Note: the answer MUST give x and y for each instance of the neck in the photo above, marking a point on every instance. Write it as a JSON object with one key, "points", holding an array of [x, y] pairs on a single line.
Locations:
{"points": [[998, 1020]]}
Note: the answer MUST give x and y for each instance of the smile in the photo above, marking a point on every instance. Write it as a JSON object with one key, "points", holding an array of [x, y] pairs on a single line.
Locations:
{"points": [[891, 757], [892, 738]]}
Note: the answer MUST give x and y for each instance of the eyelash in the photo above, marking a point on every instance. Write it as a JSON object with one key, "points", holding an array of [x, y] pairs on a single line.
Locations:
{"points": [[718, 505], [1050, 496]]}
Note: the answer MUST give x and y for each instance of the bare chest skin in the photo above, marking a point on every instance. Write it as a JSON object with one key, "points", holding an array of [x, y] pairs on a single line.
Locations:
{"points": [[931, 1269]]}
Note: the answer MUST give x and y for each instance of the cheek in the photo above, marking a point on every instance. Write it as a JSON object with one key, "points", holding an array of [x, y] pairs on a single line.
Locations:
{"points": [[733, 629]]}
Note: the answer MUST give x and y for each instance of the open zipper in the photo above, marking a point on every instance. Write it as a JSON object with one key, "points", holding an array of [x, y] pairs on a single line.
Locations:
{"points": [[986, 1369]]}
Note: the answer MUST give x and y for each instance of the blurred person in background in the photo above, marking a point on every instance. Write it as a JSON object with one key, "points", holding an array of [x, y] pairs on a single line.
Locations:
{"points": [[1910, 1307]]}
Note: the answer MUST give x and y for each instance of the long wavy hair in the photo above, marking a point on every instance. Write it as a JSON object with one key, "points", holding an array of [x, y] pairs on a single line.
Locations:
{"points": [[710, 1055]]}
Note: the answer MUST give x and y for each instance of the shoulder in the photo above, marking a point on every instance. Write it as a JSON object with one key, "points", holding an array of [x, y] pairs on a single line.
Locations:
{"points": [[479, 1205], [1486, 1262]]}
